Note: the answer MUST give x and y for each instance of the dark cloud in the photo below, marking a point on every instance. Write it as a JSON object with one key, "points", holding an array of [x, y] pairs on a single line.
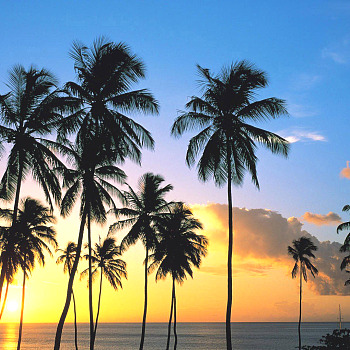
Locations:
{"points": [[265, 235]]}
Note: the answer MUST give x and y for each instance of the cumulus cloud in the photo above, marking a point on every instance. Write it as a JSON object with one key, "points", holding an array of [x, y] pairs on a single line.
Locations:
{"points": [[319, 219], [346, 171], [263, 236]]}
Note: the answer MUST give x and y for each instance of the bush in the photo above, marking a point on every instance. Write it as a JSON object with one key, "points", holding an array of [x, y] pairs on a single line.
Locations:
{"points": [[339, 339]]}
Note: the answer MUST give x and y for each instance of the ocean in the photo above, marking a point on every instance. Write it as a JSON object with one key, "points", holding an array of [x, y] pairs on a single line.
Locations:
{"points": [[191, 336]]}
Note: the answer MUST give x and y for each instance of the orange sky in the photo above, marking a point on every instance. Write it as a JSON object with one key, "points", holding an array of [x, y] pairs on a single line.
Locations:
{"points": [[263, 288]]}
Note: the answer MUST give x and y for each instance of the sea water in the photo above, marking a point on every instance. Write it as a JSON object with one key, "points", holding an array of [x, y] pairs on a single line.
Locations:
{"points": [[191, 336]]}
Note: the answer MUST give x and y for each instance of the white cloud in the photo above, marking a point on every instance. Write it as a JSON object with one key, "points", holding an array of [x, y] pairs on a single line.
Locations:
{"points": [[338, 52], [301, 111], [300, 135]]}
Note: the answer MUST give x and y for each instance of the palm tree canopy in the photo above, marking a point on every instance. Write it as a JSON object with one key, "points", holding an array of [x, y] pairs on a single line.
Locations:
{"points": [[31, 235], [105, 73], [346, 246], [223, 115], [144, 208], [301, 251], [105, 257], [179, 247], [88, 178], [67, 256], [29, 111]]}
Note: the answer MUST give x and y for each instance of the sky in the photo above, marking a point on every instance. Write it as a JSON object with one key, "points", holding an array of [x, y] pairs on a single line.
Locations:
{"points": [[304, 46]]}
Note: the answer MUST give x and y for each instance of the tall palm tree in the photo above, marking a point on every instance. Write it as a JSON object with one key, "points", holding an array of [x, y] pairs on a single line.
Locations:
{"points": [[67, 259], [143, 209], [105, 73], [179, 248], [301, 251], [33, 237], [92, 168], [227, 142], [105, 258], [29, 111]]}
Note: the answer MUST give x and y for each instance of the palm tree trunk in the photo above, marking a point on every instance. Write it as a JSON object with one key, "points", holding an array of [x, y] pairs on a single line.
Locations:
{"points": [[5, 298], [299, 326], [2, 279], [175, 333], [75, 323], [171, 315], [98, 306], [145, 304], [18, 189], [70, 283], [230, 249], [22, 309], [91, 313]]}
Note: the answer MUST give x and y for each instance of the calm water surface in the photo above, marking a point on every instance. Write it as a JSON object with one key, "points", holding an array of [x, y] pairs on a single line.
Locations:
{"points": [[199, 336]]}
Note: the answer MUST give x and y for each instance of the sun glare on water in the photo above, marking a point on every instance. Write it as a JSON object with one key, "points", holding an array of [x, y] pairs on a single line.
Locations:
{"points": [[12, 306]]}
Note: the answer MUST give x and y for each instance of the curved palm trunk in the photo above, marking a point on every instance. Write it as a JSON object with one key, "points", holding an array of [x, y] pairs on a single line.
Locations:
{"points": [[175, 332], [229, 258], [75, 323], [2, 279], [145, 304], [22, 309], [98, 308], [300, 295], [70, 283], [18, 189], [171, 315], [5, 298], [91, 313]]}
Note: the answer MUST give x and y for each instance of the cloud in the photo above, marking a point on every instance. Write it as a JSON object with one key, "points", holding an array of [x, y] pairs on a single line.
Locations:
{"points": [[319, 219], [338, 52], [300, 111], [346, 171], [299, 135], [305, 81], [262, 236]]}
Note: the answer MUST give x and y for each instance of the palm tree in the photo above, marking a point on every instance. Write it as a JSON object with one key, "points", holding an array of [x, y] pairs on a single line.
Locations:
{"points": [[144, 208], [227, 143], [88, 178], [105, 73], [67, 258], [301, 251], [32, 236], [346, 246], [28, 112], [179, 249], [105, 257]]}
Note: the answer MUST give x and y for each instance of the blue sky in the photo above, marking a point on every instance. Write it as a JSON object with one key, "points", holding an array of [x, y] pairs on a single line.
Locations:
{"points": [[304, 46]]}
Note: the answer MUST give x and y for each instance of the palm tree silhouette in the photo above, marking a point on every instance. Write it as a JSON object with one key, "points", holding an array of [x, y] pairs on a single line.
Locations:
{"points": [[301, 251], [33, 235], [105, 257], [28, 112], [105, 73], [92, 167], [227, 143], [179, 249], [144, 208], [346, 246], [67, 259]]}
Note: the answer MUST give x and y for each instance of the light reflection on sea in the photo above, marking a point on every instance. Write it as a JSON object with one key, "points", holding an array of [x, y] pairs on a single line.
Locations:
{"points": [[199, 336]]}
